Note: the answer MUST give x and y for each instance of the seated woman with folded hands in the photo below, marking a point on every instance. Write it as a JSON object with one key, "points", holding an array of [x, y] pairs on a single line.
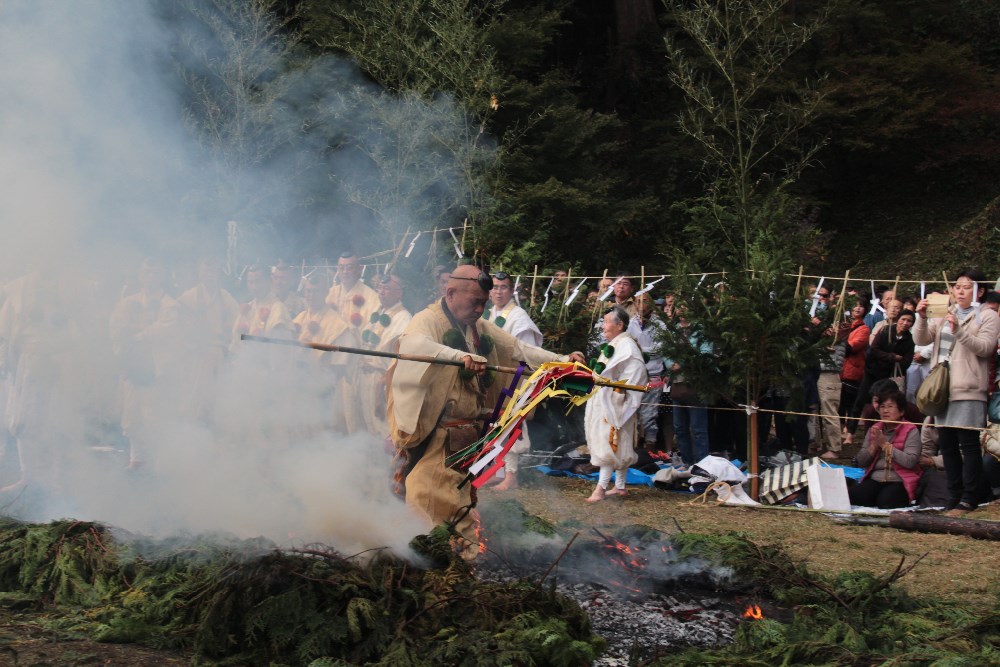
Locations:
{"points": [[890, 456]]}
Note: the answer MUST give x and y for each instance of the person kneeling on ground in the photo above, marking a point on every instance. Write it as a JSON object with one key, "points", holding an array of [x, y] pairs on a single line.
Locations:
{"points": [[890, 455]]}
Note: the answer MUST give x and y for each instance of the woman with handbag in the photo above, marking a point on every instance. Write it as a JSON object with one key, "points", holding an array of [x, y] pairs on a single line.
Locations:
{"points": [[966, 338]]}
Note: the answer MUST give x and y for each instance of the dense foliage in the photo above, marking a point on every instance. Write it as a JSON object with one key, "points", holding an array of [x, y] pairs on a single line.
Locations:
{"points": [[245, 602], [855, 618]]}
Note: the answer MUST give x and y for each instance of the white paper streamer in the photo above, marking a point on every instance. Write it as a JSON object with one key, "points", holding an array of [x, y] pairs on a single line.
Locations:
{"points": [[576, 290], [875, 302], [303, 279], [923, 290], [517, 297], [815, 297], [412, 244], [458, 248], [546, 303], [649, 286], [607, 292]]}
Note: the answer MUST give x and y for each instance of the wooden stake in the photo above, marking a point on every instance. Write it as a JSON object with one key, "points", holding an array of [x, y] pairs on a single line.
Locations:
{"points": [[534, 279], [840, 302]]}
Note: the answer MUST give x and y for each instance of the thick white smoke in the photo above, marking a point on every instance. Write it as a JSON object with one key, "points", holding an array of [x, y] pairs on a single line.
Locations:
{"points": [[100, 167]]}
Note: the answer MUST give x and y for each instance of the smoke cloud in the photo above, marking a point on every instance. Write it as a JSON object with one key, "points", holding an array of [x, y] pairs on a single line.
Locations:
{"points": [[123, 139]]}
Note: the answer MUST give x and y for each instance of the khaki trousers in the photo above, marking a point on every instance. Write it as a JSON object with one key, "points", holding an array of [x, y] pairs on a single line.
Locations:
{"points": [[829, 401]]}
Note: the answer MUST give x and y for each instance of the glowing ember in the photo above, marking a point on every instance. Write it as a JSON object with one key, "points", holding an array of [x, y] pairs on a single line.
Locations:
{"points": [[753, 611]]}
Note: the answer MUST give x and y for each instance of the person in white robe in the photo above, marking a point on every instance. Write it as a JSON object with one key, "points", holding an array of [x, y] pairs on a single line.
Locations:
{"points": [[611, 416], [506, 314]]}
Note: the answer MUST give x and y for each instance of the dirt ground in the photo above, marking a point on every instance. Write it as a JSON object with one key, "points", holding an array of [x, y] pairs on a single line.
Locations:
{"points": [[25, 641], [956, 568]]}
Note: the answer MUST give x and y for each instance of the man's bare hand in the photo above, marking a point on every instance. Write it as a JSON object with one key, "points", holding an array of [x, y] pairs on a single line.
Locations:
{"points": [[477, 367], [577, 357]]}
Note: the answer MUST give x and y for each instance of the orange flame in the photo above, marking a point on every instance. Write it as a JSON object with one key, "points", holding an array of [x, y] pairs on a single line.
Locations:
{"points": [[753, 611]]}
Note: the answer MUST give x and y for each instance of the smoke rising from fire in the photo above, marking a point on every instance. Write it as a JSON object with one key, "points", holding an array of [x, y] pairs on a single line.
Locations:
{"points": [[102, 166]]}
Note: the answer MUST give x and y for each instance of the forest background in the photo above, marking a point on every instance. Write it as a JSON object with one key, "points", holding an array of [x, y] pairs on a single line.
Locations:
{"points": [[569, 152]]}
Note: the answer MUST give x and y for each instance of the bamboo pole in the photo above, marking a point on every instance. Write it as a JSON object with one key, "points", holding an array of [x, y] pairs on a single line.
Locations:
{"points": [[420, 358], [840, 302], [798, 282], [534, 279]]}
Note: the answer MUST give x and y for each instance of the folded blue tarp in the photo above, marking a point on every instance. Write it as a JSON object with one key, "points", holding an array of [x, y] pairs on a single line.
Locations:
{"points": [[638, 477]]}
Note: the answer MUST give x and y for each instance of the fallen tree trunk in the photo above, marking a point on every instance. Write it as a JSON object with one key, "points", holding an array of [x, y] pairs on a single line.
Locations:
{"points": [[935, 523]]}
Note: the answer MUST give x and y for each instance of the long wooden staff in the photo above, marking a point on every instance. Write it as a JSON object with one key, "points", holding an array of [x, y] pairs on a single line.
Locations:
{"points": [[412, 357]]}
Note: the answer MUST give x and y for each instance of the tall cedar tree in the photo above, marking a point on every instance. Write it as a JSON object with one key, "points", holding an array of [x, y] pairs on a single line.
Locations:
{"points": [[754, 143]]}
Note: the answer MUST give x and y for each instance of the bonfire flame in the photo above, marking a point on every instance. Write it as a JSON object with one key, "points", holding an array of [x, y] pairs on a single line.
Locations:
{"points": [[754, 612]]}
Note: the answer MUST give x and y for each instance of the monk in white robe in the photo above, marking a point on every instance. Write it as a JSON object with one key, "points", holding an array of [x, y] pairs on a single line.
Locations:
{"points": [[611, 416], [435, 410], [385, 327], [506, 314], [326, 376], [205, 318], [349, 296]]}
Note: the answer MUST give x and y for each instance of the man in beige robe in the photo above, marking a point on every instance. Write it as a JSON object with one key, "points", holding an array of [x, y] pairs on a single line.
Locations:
{"points": [[264, 314], [435, 410], [261, 374], [144, 338], [326, 379], [385, 327], [205, 318], [285, 283], [38, 342], [349, 296]]}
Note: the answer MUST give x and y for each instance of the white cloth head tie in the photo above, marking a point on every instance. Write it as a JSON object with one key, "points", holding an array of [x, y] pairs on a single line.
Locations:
{"points": [[815, 298]]}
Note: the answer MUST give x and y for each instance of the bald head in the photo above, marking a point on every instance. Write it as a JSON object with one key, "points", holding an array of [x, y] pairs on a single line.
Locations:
{"points": [[465, 298], [462, 275]]}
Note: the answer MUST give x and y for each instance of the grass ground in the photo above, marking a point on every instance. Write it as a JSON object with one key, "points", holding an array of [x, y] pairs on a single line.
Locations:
{"points": [[956, 568]]}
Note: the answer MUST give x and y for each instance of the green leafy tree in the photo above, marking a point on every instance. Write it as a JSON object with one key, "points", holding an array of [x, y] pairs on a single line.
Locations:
{"points": [[726, 58], [431, 159]]}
